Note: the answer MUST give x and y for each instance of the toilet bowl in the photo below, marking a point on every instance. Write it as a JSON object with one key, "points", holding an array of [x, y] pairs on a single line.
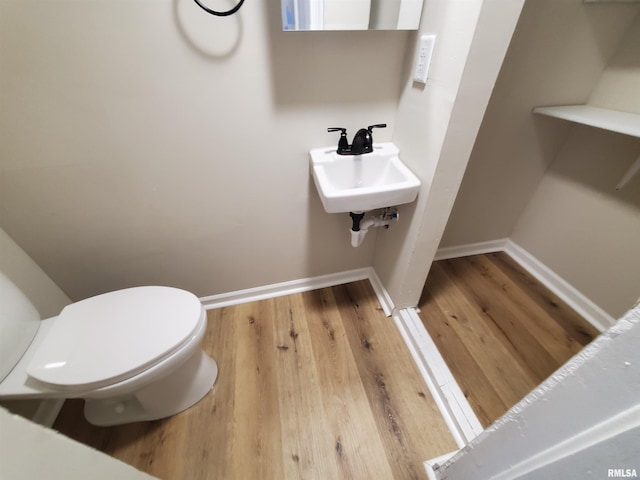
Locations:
{"points": [[133, 354]]}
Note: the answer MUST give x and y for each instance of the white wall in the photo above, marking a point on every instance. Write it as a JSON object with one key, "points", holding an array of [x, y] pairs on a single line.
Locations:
{"points": [[579, 423], [578, 225], [576, 221], [48, 299], [558, 52], [29, 451], [45, 295], [146, 142], [436, 128], [147, 145], [622, 75], [352, 15], [550, 185]]}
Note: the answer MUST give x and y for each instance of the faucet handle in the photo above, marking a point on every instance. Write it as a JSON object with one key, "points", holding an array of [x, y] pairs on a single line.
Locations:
{"points": [[343, 144], [363, 141]]}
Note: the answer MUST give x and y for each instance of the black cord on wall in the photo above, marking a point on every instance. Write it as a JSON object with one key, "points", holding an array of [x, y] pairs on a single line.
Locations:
{"points": [[220, 14]]}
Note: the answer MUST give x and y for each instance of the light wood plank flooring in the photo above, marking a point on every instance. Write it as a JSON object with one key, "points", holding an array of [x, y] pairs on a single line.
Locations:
{"points": [[499, 330], [313, 385]]}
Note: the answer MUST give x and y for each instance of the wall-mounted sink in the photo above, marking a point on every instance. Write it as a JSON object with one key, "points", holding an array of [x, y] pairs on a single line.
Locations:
{"points": [[358, 183]]}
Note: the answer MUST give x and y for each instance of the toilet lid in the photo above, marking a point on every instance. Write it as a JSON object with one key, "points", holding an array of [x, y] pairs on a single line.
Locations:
{"points": [[111, 337]]}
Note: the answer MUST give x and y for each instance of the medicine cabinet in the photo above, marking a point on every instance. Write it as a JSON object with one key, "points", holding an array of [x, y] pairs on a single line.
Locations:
{"points": [[303, 15]]}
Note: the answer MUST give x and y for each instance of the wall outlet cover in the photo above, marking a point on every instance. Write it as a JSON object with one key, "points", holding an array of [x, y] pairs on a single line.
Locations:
{"points": [[423, 58]]}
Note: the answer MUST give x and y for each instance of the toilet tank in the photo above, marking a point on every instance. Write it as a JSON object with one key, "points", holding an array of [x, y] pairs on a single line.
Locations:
{"points": [[19, 322]]}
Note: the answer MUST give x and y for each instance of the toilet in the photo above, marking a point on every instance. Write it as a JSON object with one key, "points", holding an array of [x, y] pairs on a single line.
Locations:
{"points": [[133, 355]]}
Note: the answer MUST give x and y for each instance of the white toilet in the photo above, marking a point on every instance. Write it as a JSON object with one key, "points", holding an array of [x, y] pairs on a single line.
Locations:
{"points": [[132, 354]]}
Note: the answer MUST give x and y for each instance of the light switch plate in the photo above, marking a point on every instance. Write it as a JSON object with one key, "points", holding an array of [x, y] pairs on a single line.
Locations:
{"points": [[423, 59]]}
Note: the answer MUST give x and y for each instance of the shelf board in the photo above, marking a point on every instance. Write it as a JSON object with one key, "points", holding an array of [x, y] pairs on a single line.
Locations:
{"points": [[613, 120]]}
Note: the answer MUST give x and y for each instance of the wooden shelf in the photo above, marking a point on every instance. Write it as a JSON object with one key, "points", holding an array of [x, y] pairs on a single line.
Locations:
{"points": [[621, 122], [612, 120]]}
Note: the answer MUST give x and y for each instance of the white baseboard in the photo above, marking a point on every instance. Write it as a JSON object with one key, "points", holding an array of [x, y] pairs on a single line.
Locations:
{"points": [[383, 296], [453, 405], [565, 291], [451, 402], [471, 249], [301, 285], [554, 282]]}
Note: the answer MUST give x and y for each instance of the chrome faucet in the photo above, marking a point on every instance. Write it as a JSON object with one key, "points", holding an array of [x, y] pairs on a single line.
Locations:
{"points": [[362, 141]]}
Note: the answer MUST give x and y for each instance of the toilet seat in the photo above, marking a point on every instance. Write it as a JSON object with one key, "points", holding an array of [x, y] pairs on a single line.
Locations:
{"points": [[111, 337]]}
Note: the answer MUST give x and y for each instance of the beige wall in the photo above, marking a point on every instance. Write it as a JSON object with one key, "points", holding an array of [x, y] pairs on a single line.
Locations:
{"points": [[621, 76], [576, 221], [29, 451], [142, 146], [436, 127], [580, 227], [45, 295], [556, 57], [148, 142], [549, 184]]}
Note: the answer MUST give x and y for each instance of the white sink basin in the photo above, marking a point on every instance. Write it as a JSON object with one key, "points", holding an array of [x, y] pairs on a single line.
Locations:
{"points": [[358, 183]]}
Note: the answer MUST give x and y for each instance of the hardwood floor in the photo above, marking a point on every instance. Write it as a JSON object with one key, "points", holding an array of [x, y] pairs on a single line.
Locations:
{"points": [[499, 330], [313, 385]]}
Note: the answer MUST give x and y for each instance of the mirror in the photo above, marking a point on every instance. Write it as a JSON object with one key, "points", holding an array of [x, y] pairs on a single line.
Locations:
{"points": [[300, 15]]}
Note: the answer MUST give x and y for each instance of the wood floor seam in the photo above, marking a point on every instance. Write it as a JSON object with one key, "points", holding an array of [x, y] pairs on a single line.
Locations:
{"points": [[318, 384], [486, 314]]}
